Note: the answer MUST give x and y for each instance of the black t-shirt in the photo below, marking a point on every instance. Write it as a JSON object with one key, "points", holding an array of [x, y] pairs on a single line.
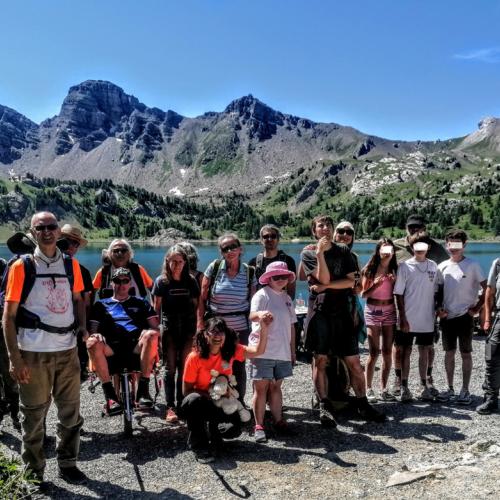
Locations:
{"points": [[122, 320], [177, 296], [340, 263], [87, 280], [281, 257]]}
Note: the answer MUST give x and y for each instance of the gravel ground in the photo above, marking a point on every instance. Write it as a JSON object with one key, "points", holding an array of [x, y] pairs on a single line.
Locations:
{"points": [[457, 450]]}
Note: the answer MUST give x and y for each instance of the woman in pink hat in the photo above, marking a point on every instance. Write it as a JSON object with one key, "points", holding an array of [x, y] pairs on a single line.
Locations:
{"points": [[268, 370]]}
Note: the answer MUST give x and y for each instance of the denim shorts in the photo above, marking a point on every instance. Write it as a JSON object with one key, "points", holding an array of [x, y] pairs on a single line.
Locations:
{"points": [[270, 369]]}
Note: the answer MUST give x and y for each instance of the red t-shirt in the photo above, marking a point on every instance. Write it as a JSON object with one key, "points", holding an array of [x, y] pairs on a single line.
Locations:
{"points": [[197, 369]]}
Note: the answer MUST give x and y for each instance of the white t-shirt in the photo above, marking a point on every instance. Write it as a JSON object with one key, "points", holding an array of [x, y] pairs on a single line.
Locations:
{"points": [[418, 282], [461, 285], [279, 335]]}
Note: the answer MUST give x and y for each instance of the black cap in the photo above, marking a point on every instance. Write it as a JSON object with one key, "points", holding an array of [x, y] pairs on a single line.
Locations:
{"points": [[121, 271], [415, 220]]}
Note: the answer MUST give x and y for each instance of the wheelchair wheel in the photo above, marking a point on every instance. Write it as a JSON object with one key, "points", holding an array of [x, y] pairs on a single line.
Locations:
{"points": [[127, 403]]}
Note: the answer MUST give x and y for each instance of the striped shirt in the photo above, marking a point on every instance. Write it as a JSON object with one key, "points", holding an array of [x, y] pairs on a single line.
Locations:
{"points": [[230, 295]]}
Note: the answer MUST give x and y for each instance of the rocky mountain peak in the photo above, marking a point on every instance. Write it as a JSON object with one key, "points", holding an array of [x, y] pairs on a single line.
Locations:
{"points": [[16, 133]]}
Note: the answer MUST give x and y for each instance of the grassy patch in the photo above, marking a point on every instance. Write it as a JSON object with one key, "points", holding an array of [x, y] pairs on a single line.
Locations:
{"points": [[15, 482]]}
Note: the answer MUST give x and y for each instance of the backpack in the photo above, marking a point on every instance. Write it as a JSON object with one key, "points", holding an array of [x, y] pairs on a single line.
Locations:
{"points": [[105, 290], [259, 261], [24, 317]]}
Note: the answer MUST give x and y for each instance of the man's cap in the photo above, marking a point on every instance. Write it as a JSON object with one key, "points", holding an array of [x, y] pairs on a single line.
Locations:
{"points": [[415, 220], [74, 233], [121, 272]]}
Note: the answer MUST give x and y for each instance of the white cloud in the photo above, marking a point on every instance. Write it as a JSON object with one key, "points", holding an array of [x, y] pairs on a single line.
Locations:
{"points": [[490, 55]]}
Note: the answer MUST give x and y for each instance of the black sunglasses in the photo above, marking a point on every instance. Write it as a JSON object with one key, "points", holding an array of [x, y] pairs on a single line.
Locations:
{"points": [[280, 277], [45, 227], [119, 250], [349, 232], [270, 236], [118, 281], [233, 246]]}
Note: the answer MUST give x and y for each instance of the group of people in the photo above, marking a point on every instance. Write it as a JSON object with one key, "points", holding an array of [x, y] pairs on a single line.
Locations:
{"points": [[58, 322]]}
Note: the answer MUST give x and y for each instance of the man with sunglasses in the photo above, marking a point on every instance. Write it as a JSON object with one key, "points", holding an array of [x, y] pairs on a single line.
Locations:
{"points": [[124, 334], [71, 241], [270, 238], [404, 251], [40, 327]]}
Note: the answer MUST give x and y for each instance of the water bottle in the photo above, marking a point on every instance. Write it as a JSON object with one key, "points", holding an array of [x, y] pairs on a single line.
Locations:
{"points": [[300, 301]]}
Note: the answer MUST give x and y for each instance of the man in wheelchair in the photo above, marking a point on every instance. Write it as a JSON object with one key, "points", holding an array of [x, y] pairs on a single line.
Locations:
{"points": [[124, 335]]}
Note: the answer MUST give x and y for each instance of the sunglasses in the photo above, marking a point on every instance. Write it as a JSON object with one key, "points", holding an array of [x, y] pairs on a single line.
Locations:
{"points": [[280, 277], [229, 248], [119, 250], [45, 227], [215, 333], [125, 281], [349, 232], [269, 237], [73, 243]]}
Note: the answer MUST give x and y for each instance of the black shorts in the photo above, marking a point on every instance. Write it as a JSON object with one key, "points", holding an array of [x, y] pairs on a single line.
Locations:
{"points": [[124, 356], [405, 339], [332, 333], [460, 328]]}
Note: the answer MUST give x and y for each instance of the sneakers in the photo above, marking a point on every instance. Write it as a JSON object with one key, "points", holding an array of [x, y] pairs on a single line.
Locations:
{"points": [[406, 395], [385, 395], [143, 397], [464, 398], [203, 456], [171, 417], [370, 395], [430, 385], [396, 388], [446, 396], [259, 434], [425, 394], [72, 475], [490, 404], [326, 416], [369, 413], [112, 408]]}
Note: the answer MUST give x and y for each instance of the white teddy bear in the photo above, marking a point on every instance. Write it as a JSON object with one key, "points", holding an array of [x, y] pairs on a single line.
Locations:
{"points": [[225, 396]]}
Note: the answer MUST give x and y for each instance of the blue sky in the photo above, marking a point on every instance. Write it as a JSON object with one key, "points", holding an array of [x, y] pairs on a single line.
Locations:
{"points": [[399, 69]]}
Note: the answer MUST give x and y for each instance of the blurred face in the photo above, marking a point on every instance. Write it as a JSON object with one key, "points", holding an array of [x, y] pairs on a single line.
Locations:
{"points": [[120, 255], [344, 235], [455, 247], [278, 282], [45, 229], [230, 249], [386, 251], [269, 239], [176, 264], [322, 229], [215, 339], [73, 246]]}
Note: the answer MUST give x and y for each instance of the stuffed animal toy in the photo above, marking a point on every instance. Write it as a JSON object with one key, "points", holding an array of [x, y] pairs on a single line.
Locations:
{"points": [[225, 396]]}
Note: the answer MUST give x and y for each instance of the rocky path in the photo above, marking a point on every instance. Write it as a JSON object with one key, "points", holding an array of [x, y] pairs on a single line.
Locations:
{"points": [[446, 451]]}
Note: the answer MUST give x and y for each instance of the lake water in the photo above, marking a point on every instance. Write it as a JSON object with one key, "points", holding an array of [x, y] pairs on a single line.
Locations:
{"points": [[152, 257]]}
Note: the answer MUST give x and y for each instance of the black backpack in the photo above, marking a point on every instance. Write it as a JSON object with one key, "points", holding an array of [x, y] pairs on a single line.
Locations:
{"points": [[105, 291]]}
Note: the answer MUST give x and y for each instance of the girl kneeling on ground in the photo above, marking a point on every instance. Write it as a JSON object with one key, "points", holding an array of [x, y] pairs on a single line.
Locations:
{"points": [[268, 370], [216, 347]]}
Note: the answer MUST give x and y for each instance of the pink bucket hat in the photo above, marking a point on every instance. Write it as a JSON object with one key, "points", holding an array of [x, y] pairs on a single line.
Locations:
{"points": [[276, 268]]}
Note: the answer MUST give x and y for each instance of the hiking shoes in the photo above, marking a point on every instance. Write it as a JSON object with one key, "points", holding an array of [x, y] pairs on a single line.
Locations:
{"points": [[430, 385], [446, 396], [370, 414], [203, 456], [259, 434], [385, 395], [371, 396], [326, 416], [464, 398], [112, 408], [396, 388], [406, 395], [488, 406], [143, 397], [72, 475], [425, 394]]}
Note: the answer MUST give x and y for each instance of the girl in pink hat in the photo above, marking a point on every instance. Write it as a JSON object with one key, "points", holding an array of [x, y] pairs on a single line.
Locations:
{"points": [[267, 371]]}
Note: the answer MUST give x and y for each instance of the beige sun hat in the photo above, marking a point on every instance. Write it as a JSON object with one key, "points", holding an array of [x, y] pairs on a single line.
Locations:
{"points": [[75, 233]]}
